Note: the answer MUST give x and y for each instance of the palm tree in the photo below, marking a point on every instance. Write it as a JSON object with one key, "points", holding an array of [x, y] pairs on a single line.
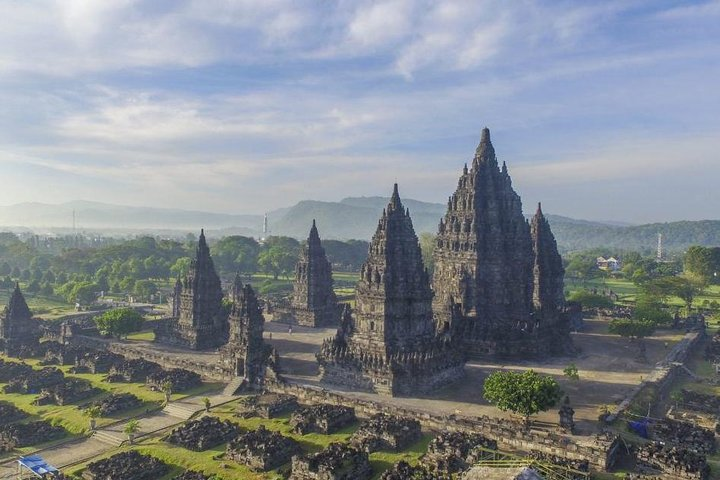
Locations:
{"points": [[131, 428], [93, 412]]}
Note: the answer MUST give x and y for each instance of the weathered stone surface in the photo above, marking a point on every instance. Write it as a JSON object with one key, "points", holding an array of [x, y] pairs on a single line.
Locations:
{"points": [[97, 362], [72, 390], [268, 405], [390, 346], [133, 370], [191, 475], [337, 462], [246, 354], [16, 435], [126, 466], [384, 432], [35, 380], [117, 402], [566, 414], [180, 380], [322, 418], [198, 321], [404, 471], [262, 449], [679, 462], [10, 370], [487, 262], [19, 332], [700, 402], [579, 465], [314, 303], [203, 434], [9, 413], [685, 435], [453, 452]]}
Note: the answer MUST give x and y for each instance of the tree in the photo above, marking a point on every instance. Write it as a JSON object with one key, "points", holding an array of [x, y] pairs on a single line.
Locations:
{"points": [[649, 307], [236, 254], [703, 263], [590, 300], [571, 372], [279, 256], [93, 413], [523, 393], [635, 330], [131, 429], [181, 266], [119, 322], [582, 267], [144, 288]]}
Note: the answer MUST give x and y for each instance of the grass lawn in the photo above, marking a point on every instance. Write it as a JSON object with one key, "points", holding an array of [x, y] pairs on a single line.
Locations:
{"points": [[145, 336], [46, 307]]}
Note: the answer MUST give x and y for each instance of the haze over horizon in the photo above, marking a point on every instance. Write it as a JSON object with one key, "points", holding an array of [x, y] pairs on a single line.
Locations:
{"points": [[602, 110]]}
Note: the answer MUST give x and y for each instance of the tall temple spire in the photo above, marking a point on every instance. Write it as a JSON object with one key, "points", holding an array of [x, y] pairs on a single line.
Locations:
{"points": [[395, 203], [485, 151], [18, 330]]}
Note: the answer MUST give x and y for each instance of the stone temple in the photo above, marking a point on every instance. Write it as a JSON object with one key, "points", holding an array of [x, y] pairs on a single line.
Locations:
{"points": [[314, 303], [246, 352], [390, 346], [199, 321], [498, 280], [18, 330]]}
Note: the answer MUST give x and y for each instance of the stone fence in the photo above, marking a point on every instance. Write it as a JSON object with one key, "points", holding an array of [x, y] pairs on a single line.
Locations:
{"points": [[512, 435], [663, 375]]}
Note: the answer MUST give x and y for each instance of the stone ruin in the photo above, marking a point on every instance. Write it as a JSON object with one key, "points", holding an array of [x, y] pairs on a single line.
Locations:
{"points": [[337, 462], [268, 405], [130, 465], [18, 435], [10, 370], [203, 434], [404, 471], [700, 402], [191, 475], [577, 465], [453, 452], [198, 321], [70, 391], [181, 380], [9, 413], [390, 346], [55, 353], [19, 331], [566, 413], [712, 351], [313, 303], [678, 462], [322, 418], [685, 435], [246, 354], [97, 361], [117, 402], [388, 433], [35, 381], [134, 370], [262, 450], [498, 281]]}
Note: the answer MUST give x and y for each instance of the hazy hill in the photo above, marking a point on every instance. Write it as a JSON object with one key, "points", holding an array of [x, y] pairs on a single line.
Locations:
{"points": [[96, 215], [350, 218]]}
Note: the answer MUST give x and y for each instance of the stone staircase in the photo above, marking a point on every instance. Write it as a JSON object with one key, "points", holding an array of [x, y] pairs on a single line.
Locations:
{"points": [[232, 387], [180, 410], [111, 438]]}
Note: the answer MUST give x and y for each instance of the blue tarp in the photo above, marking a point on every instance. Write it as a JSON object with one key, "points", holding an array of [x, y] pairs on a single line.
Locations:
{"points": [[37, 465], [640, 427]]}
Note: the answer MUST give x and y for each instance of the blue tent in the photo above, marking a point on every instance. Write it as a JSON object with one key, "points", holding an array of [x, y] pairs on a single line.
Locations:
{"points": [[640, 427], [37, 465]]}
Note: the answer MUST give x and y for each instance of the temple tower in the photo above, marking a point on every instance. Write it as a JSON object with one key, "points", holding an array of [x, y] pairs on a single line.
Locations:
{"points": [[18, 330], [314, 303], [485, 263], [246, 352], [200, 323], [390, 346]]}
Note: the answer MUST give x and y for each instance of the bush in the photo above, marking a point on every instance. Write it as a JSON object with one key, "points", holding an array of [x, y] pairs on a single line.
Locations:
{"points": [[590, 300], [119, 322]]}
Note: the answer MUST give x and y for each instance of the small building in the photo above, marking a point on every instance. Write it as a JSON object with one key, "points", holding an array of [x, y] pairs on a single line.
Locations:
{"points": [[610, 264]]}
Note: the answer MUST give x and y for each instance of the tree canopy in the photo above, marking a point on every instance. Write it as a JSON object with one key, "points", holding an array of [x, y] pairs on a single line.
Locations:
{"points": [[119, 322], [523, 393]]}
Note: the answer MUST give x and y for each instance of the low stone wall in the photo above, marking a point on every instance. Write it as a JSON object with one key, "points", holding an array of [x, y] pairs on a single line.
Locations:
{"points": [[600, 453], [664, 373], [209, 372]]}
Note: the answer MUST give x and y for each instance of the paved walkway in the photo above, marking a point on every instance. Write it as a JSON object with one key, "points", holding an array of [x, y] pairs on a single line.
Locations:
{"points": [[83, 449]]}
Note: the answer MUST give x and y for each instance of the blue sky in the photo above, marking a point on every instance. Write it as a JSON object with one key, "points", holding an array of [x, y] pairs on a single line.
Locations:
{"points": [[602, 110]]}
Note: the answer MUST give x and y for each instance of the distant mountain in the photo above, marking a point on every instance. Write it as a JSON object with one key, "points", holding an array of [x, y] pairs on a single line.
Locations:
{"points": [[350, 218], [97, 216]]}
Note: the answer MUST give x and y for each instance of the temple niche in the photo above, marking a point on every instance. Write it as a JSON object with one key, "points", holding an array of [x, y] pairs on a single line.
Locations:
{"points": [[390, 345], [498, 279], [246, 353], [313, 303], [198, 321], [19, 331]]}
